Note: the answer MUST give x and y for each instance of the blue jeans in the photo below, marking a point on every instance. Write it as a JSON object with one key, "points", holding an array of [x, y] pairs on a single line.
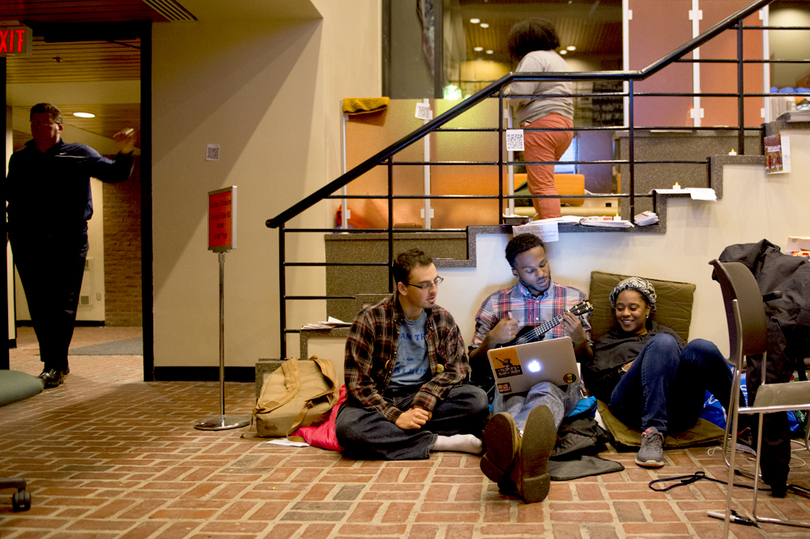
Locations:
{"points": [[561, 401], [367, 434], [666, 387]]}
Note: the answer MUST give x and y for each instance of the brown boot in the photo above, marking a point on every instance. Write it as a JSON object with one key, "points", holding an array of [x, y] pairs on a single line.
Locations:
{"points": [[502, 444], [530, 470]]}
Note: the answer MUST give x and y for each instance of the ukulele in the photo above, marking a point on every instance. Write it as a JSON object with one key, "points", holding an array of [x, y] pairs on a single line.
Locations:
{"points": [[535, 333]]}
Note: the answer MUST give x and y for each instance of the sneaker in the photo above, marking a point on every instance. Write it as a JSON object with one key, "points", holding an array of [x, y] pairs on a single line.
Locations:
{"points": [[651, 454], [745, 442]]}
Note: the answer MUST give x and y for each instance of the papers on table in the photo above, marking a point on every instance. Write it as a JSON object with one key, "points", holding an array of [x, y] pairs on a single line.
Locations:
{"points": [[606, 222], [646, 218], [329, 324], [546, 229]]}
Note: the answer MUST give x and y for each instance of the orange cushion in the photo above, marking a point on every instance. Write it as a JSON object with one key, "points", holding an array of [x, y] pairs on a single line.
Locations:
{"points": [[566, 184]]}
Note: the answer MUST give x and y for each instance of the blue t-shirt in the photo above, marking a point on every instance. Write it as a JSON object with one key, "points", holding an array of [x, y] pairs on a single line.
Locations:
{"points": [[412, 367]]}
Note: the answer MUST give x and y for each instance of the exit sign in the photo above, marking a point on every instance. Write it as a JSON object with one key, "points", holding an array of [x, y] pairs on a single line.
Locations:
{"points": [[15, 40]]}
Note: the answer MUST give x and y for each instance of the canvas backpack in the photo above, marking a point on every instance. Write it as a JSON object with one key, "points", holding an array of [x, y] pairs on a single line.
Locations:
{"points": [[300, 393]]}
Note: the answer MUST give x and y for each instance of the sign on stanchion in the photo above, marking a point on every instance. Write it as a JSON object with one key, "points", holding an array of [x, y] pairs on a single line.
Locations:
{"points": [[221, 239]]}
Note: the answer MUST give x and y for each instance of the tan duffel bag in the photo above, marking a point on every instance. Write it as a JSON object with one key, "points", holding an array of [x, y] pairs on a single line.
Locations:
{"points": [[300, 393]]}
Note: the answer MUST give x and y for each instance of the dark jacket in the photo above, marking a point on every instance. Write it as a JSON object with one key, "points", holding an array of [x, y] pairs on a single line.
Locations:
{"points": [[788, 316], [788, 340], [49, 193]]}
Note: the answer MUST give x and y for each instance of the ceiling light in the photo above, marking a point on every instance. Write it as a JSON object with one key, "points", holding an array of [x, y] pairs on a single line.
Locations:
{"points": [[571, 48], [84, 114], [563, 51], [475, 21], [490, 51], [478, 49], [484, 25]]}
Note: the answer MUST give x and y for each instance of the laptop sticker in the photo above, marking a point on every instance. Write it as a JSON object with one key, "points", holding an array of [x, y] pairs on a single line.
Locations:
{"points": [[505, 362]]}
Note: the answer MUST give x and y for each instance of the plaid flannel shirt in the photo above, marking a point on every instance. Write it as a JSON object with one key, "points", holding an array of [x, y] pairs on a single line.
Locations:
{"points": [[528, 310], [371, 352]]}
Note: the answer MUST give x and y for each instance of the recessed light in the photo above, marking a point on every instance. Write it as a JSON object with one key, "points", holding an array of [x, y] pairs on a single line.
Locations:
{"points": [[84, 114], [490, 51], [563, 51], [484, 25], [571, 48], [475, 21], [478, 49]]}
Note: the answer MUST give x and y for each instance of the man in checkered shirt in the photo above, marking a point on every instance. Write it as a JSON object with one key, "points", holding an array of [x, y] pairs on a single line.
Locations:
{"points": [[521, 435], [406, 375]]}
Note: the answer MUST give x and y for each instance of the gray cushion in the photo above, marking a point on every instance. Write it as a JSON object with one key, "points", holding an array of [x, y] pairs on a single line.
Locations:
{"points": [[16, 386]]}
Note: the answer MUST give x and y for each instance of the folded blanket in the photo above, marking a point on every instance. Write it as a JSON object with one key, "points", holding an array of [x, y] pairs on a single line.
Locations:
{"points": [[364, 105]]}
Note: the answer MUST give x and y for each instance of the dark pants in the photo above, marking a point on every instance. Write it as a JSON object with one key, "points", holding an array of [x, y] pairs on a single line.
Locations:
{"points": [[775, 458], [666, 387], [367, 434], [51, 268]]}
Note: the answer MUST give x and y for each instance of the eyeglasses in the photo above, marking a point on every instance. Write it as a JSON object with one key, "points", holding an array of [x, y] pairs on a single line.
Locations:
{"points": [[426, 286]]}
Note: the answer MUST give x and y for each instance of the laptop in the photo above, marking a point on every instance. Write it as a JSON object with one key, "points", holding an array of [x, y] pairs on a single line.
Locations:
{"points": [[517, 368]]}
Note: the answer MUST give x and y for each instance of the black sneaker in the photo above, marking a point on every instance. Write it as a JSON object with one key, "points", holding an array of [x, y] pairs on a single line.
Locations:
{"points": [[651, 454]]}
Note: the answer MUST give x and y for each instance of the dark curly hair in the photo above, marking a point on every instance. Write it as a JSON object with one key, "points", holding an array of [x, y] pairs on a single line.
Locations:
{"points": [[532, 35], [520, 244], [405, 262]]}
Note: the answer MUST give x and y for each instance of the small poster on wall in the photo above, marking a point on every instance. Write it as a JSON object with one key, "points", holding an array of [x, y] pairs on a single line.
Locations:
{"points": [[222, 220], [777, 154]]}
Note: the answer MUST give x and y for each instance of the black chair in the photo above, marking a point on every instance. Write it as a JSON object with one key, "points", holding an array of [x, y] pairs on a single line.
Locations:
{"points": [[748, 335]]}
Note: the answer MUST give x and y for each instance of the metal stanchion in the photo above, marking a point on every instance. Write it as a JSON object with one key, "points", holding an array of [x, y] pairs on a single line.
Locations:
{"points": [[222, 214]]}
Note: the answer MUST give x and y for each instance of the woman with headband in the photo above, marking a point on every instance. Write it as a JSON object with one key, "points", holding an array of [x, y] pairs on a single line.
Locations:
{"points": [[650, 378]]}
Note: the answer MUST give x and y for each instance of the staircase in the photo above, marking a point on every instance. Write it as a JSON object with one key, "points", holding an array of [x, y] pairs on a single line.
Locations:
{"points": [[751, 205]]}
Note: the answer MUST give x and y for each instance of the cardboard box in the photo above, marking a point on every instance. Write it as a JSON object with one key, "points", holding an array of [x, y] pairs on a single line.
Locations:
{"points": [[798, 243]]}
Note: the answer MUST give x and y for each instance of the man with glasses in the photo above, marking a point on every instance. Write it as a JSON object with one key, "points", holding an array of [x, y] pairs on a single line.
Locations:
{"points": [[521, 435], [49, 203], [406, 368]]}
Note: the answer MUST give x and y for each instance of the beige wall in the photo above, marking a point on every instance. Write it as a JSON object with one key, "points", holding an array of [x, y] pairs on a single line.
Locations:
{"points": [[268, 92]]}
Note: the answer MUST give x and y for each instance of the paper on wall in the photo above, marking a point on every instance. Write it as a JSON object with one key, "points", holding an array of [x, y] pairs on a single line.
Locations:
{"points": [[545, 229]]}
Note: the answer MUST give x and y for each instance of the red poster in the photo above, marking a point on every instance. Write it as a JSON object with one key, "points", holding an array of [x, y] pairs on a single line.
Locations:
{"points": [[222, 219]]}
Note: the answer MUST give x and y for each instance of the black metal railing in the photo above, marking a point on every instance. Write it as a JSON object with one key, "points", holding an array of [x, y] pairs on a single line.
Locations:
{"points": [[495, 90]]}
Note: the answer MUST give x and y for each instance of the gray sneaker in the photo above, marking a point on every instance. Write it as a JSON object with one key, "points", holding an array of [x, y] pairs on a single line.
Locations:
{"points": [[651, 454]]}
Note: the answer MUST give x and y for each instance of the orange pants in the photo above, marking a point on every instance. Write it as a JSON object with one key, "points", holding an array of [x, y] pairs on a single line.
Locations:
{"points": [[545, 146]]}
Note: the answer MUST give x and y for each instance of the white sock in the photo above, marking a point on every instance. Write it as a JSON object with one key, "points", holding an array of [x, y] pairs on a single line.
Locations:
{"points": [[463, 443]]}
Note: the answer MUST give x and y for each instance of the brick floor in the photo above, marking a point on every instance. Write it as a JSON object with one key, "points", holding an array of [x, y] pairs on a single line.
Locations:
{"points": [[107, 455]]}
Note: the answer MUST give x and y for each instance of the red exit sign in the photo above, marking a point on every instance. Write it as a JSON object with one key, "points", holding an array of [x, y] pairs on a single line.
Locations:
{"points": [[15, 40]]}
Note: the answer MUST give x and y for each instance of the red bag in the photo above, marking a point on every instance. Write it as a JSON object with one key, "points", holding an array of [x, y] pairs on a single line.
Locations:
{"points": [[323, 435]]}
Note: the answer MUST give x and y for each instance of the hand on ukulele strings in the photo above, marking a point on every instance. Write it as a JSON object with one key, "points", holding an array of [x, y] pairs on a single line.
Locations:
{"points": [[505, 330], [573, 328]]}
